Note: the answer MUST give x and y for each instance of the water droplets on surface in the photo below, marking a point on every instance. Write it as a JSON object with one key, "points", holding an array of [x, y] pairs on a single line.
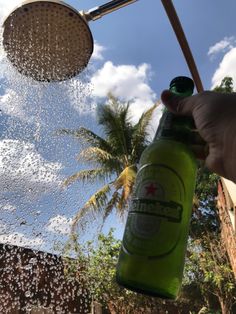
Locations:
{"points": [[34, 161]]}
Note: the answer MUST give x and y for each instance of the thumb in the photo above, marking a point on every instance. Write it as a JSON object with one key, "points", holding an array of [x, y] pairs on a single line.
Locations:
{"points": [[177, 104]]}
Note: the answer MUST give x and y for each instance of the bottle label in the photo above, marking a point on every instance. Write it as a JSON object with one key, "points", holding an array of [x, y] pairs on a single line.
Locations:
{"points": [[154, 221]]}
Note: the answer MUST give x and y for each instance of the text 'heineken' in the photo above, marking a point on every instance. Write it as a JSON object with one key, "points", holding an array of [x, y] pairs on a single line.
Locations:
{"points": [[152, 256]]}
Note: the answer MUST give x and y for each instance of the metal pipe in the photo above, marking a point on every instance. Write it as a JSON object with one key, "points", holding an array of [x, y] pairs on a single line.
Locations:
{"points": [[104, 9], [179, 32]]}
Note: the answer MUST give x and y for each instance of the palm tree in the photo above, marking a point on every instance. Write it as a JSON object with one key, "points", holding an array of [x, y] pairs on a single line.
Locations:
{"points": [[115, 157]]}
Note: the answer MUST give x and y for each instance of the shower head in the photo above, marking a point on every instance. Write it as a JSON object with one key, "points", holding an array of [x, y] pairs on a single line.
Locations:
{"points": [[49, 40]]}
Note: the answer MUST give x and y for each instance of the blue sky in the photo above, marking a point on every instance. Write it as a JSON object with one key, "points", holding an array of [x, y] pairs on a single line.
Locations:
{"points": [[136, 55]]}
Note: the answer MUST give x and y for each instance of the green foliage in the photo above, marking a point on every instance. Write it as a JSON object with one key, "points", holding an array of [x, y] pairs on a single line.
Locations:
{"points": [[209, 267], [205, 214], [101, 266], [112, 159], [226, 85], [95, 267]]}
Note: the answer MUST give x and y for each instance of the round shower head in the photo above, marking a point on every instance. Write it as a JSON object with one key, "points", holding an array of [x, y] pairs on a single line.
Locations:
{"points": [[47, 40]]}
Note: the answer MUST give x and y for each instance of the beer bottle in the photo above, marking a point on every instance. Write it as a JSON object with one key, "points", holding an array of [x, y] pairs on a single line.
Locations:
{"points": [[153, 249]]}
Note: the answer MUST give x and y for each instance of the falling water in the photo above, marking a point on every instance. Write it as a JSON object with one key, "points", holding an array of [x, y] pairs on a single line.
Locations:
{"points": [[35, 211]]}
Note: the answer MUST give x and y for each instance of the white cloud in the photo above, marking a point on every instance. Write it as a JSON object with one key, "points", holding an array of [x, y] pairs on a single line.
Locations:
{"points": [[227, 67], [59, 224], [97, 51], [23, 170], [12, 104], [126, 82], [225, 44], [8, 207], [20, 239]]}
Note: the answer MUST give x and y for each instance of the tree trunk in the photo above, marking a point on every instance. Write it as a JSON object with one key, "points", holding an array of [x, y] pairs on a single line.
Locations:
{"points": [[116, 308], [225, 305], [111, 308]]}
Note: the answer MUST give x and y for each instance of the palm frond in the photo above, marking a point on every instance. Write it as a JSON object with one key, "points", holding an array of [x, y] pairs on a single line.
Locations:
{"points": [[89, 175], [96, 202], [111, 204], [126, 177], [122, 204], [86, 136], [115, 121], [99, 199], [77, 218], [125, 181], [98, 155], [146, 117], [139, 138]]}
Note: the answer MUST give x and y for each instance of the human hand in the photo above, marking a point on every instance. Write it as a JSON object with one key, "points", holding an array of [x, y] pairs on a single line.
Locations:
{"points": [[214, 115]]}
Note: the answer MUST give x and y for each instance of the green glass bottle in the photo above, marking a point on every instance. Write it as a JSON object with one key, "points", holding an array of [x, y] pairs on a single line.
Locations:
{"points": [[153, 249]]}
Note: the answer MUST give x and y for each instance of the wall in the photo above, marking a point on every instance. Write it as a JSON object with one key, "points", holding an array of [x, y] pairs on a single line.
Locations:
{"points": [[33, 279], [226, 204]]}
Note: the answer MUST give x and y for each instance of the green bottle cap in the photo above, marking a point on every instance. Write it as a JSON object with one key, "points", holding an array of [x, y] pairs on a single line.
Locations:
{"points": [[182, 85]]}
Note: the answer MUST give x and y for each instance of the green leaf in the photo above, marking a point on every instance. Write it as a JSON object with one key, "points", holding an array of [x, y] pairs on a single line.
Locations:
{"points": [[115, 120], [103, 158], [140, 134], [89, 175], [95, 203], [86, 136]]}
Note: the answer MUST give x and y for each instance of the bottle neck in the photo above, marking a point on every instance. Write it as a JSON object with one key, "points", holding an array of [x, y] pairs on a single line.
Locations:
{"points": [[175, 127]]}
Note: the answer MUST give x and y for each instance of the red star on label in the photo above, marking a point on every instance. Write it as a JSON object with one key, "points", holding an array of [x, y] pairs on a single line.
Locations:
{"points": [[151, 189]]}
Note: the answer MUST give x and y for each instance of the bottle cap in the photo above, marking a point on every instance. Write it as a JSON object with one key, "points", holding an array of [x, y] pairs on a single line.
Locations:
{"points": [[182, 84]]}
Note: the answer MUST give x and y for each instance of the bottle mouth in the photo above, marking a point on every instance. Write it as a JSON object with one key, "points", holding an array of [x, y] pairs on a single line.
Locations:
{"points": [[182, 84]]}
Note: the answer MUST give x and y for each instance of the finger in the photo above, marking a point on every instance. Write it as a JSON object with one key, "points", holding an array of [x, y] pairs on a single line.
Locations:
{"points": [[214, 161], [176, 104]]}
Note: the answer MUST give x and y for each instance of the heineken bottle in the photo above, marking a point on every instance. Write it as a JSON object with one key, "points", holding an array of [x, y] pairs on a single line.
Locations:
{"points": [[153, 249]]}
